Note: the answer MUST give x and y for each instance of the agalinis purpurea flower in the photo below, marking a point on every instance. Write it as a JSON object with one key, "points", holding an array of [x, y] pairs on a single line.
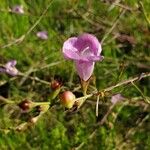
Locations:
{"points": [[18, 9], [42, 35], [10, 68], [84, 50]]}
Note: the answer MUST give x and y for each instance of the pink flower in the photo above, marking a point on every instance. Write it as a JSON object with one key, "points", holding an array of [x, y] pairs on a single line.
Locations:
{"points": [[42, 35], [84, 50], [10, 68], [116, 98], [18, 9]]}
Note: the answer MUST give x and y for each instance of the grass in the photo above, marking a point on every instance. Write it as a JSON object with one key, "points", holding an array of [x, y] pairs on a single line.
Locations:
{"points": [[124, 31]]}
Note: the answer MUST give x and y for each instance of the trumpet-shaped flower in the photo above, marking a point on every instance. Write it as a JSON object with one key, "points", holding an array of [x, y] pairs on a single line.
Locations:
{"points": [[10, 68], [84, 50]]}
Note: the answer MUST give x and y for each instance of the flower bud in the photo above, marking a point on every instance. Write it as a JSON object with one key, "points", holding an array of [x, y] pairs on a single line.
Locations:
{"points": [[25, 105], [67, 99], [34, 120], [42, 35], [56, 87], [55, 84], [18, 9]]}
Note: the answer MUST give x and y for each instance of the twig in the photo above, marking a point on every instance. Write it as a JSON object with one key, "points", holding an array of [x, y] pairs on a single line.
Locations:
{"points": [[97, 103], [114, 25], [143, 75], [124, 7], [138, 78], [138, 89], [34, 78], [144, 12], [113, 4], [6, 101], [31, 71], [48, 65], [25, 76]]}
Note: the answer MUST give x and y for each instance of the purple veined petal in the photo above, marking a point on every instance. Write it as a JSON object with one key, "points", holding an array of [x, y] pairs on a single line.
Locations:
{"points": [[87, 55], [84, 69], [88, 40], [69, 51], [116, 98], [42, 35], [71, 55]]}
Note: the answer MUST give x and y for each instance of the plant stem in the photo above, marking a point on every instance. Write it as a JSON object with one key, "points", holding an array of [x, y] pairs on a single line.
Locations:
{"points": [[144, 12], [41, 103], [6, 101], [124, 82]]}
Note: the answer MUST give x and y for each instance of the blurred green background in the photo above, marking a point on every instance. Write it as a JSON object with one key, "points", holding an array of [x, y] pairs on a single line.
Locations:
{"points": [[124, 30]]}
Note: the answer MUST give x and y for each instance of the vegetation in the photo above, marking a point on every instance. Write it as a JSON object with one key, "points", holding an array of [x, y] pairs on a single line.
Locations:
{"points": [[123, 27]]}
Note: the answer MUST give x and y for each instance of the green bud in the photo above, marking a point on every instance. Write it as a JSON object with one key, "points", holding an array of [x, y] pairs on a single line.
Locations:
{"points": [[67, 99]]}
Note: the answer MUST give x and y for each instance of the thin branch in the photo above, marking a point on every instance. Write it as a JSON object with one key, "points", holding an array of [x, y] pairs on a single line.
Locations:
{"points": [[33, 78], [125, 82], [144, 12], [138, 78], [97, 103], [114, 25]]}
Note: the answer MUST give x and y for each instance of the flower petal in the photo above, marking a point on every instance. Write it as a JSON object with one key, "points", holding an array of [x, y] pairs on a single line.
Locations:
{"points": [[116, 98], [10, 68], [99, 49], [69, 51], [11, 63], [95, 58], [84, 69], [88, 40], [42, 35], [12, 71]]}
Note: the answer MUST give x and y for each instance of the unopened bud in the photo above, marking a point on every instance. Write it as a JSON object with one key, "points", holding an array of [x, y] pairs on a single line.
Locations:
{"points": [[55, 84], [56, 87], [67, 99], [25, 105], [34, 120]]}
